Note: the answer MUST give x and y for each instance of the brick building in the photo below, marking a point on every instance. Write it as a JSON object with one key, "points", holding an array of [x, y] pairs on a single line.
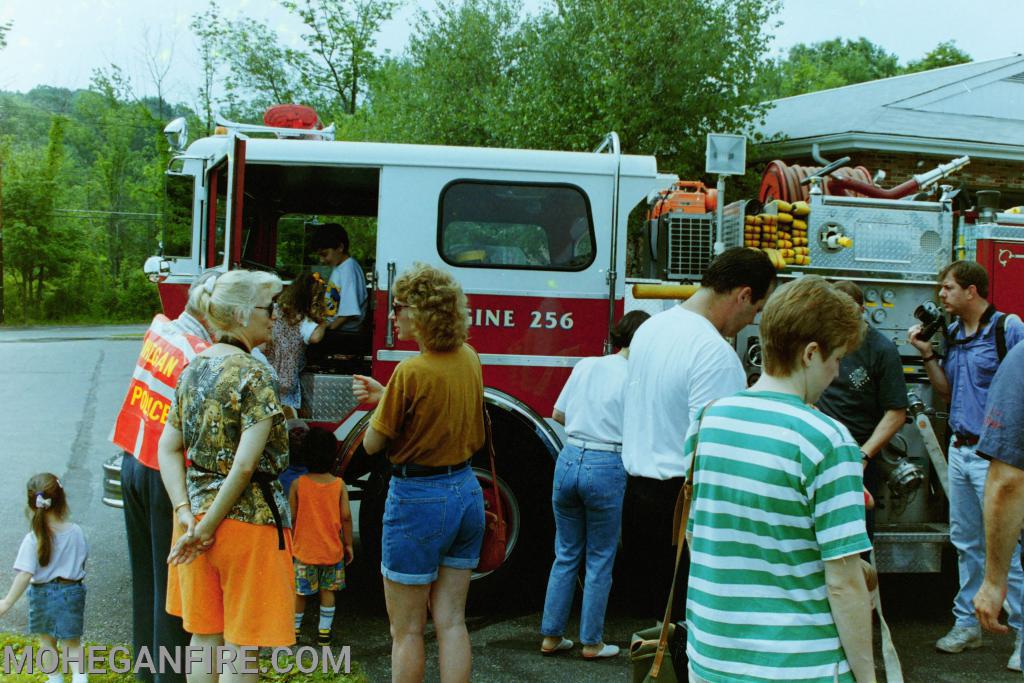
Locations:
{"points": [[910, 124]]}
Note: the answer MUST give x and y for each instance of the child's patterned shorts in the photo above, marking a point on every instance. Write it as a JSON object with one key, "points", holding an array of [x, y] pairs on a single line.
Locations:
{"points": [[310, 579]]}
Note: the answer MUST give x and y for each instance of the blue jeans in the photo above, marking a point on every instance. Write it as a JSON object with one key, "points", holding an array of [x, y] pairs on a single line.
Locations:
{"points": [[431, 522], [967, 473], [587, 501]]}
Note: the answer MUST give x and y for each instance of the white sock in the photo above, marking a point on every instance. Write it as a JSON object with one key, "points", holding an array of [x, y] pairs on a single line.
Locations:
{"points": [[298, 620], [326, 618]]}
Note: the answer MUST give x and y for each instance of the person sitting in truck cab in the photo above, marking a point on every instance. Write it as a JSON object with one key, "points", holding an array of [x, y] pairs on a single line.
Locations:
{"points": [[347, 298], [975, 344]]}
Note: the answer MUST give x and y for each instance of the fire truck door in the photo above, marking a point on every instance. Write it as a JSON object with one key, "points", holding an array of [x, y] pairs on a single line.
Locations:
{"points": [[235, 196], [225, 186]]}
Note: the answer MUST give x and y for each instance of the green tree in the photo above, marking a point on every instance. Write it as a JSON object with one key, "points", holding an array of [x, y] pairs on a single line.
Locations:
{"points": [[205, 28], [945, 53], [329, 73], [37, 244], [341, 38], [4, 29], [828, 64], [456, 79], [478, 73]]}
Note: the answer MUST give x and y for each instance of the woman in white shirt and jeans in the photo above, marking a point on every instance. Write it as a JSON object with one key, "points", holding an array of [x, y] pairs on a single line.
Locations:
{"points": [[587, 492]]}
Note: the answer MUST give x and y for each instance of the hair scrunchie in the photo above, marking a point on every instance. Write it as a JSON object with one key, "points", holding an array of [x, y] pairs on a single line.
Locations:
{"points": [[209, 284], [42, 502]]}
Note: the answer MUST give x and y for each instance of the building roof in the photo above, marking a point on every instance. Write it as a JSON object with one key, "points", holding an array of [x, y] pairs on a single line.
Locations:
{"points": [[975, 108]]}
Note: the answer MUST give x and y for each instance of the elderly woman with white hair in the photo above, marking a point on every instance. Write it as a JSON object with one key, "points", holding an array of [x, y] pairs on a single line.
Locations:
{"points": [[231, 578]]}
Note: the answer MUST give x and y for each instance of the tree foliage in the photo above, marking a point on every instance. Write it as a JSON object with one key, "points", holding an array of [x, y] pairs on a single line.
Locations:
{"points": [[477, 73], [828, 64], [840, 62], [945, 53]]}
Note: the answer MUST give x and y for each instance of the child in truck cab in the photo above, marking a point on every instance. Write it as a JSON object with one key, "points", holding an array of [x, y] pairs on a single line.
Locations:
{"points": [[300, 322], [346, 291], [322, 544], [51, 564]]}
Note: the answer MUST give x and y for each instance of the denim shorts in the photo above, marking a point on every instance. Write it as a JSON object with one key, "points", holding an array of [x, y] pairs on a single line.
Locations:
{"points": [[56, 609], [431, 522]]}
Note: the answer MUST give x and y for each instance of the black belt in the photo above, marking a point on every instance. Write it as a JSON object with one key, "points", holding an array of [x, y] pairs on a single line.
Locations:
{"points": [[414, 470], [62, 580], [264, 481], [961, 439]]}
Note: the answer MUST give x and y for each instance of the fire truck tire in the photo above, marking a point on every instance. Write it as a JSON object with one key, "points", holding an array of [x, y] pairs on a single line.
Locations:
{"points": [[525, 468]]}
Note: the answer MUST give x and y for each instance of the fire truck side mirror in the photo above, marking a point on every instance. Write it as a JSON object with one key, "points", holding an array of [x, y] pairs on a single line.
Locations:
{"points": [[156, 268], [176, 133]]}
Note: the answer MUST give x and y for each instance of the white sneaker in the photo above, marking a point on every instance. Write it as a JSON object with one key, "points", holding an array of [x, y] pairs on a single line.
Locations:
{"points": [[1013, 664], [959, 638]]}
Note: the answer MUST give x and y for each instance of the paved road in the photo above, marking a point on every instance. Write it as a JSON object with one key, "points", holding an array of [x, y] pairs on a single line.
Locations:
{"points": [[59, 391]]}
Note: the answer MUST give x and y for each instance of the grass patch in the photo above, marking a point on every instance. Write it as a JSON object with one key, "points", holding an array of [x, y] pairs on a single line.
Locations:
{"points": [[18, 643]]}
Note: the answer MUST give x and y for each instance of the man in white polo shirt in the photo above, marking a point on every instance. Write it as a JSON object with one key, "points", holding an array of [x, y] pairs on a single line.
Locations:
{"points": [[679, 361]]}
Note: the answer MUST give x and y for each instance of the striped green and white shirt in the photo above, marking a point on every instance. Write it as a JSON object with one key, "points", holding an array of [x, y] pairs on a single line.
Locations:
{"points": [[778, 489]]}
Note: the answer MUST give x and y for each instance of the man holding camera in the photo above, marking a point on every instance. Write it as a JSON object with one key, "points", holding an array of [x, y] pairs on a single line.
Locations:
{"points": [[976, 342]]}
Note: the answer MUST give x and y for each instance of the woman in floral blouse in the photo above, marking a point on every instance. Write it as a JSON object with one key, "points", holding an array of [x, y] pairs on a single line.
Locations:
{"points": [[231, 570]]}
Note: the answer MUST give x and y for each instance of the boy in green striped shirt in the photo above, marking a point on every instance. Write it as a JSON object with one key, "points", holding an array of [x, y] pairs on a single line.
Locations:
{"points": [[776, 589]]}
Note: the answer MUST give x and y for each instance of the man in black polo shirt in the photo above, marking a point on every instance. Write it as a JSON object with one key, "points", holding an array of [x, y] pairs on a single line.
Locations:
{"points": [[869, 395]]}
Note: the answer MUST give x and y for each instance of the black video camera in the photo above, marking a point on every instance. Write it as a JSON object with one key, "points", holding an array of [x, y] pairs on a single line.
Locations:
{"points": [[931, 320]]}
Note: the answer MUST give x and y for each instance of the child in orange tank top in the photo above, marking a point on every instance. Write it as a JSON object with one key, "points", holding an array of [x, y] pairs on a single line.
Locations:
{"points": [[322, 531]]}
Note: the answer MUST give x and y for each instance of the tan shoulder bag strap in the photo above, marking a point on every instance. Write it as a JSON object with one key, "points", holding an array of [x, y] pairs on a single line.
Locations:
{"points": [[679, 522]]}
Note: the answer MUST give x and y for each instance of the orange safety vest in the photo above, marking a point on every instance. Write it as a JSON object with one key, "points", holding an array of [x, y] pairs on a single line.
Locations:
{"points": [[166, 350]]}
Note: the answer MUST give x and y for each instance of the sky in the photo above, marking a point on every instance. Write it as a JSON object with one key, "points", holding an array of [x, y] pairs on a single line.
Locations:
{"points": [[60, 42]]}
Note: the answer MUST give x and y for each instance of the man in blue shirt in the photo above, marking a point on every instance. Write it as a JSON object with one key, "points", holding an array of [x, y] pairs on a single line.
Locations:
{"points": [[1002, 440], [963, 378]]}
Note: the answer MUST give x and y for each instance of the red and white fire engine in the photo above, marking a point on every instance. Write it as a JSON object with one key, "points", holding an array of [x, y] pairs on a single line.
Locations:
{"points": [[538, 241], [536, 238]]}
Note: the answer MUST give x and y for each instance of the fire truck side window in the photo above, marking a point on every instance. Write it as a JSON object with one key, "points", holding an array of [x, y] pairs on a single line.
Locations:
{"points": [[177, 226], [501, 225]]}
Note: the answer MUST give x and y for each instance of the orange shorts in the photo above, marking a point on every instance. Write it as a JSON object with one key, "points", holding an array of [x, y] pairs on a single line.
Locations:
{"points": [[242, 587]]}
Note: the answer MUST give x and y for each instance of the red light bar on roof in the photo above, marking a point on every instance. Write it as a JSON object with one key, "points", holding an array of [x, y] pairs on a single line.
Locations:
{"points": [[292, 116]]}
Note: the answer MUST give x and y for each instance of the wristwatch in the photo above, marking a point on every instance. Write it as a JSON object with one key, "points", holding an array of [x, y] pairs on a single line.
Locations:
{"points": [[864, 455]]}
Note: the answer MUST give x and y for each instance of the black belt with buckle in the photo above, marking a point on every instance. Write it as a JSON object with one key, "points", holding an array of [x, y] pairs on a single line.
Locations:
{"points": [[414, 470], [961, 439]]}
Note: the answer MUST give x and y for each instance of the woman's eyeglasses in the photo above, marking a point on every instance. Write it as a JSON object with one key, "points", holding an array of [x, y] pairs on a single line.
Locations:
{"points": [[271, 309], [396, 307]]}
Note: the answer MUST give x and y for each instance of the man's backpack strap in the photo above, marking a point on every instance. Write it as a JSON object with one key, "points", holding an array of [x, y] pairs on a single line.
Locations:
{"points": [[1001, 334]]}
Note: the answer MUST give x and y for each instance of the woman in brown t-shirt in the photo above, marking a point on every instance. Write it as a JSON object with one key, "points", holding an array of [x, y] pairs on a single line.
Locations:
{"points": [[430, 419]]}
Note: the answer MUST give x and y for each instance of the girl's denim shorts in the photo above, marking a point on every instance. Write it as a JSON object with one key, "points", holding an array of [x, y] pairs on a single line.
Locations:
{"points": [[431, 522], [56, 609]]}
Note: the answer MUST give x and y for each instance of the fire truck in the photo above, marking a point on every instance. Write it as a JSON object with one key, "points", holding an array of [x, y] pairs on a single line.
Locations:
{"points": [[538, 241], [836, 222]]}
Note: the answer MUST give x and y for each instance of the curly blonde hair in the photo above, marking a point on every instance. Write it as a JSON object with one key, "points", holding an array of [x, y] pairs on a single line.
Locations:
{"points": [[439, 315]]}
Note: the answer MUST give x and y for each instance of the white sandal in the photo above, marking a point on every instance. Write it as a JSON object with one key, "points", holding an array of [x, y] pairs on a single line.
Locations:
{"points": [[563, 645], [604, 652]]}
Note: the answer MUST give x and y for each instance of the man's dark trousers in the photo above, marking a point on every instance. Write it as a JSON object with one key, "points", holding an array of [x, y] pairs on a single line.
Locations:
{"points": [[148, 517], [648, 555]]}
